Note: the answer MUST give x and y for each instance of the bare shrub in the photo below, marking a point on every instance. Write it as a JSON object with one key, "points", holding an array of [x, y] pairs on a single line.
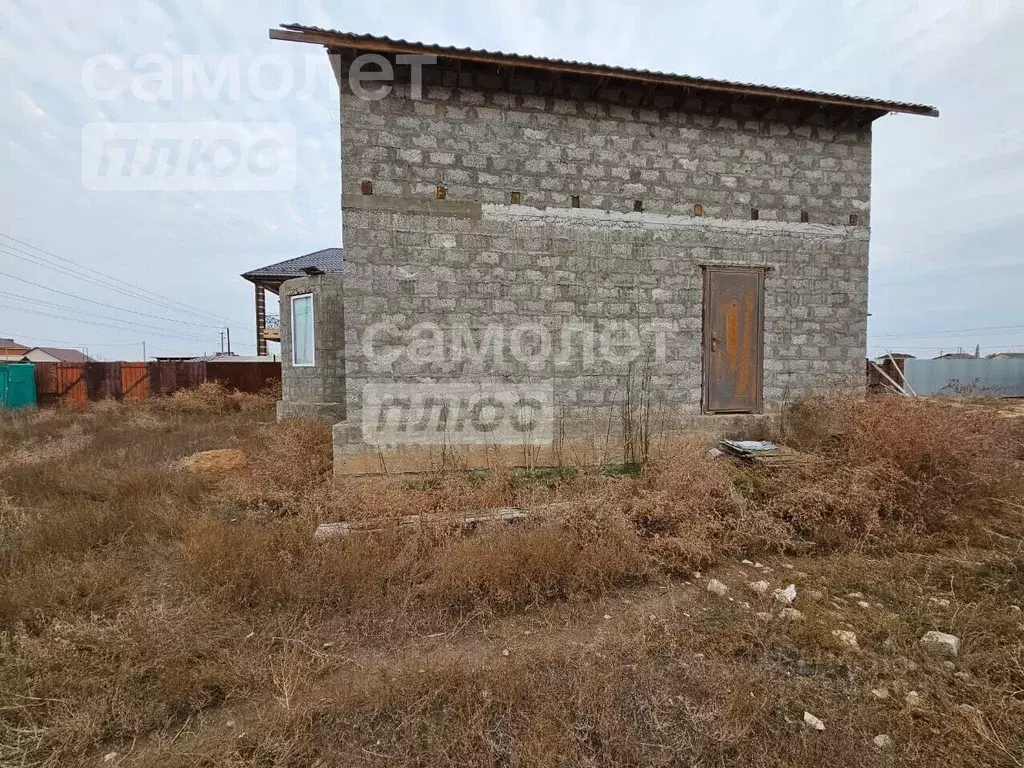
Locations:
{"points": [[214, 396], [909, 462], [689, 508], [252, 565], [287, 461], [584, 554]]}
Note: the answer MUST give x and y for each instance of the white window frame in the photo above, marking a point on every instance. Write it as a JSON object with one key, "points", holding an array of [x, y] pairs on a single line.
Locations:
{"points": [[312, 331]]}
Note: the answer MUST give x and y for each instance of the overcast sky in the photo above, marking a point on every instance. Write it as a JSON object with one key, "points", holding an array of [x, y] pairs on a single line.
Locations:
{"points": [[947, 221]]}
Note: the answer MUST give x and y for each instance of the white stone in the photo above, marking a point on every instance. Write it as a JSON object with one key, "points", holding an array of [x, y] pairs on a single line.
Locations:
{"points": [[746, 562], [718, 588], [696, 574], [942, 641], [813, 721], [791, 613], [882, 741], [1015, 609], [787, 595], [761, 587], [606, 616], [788, 566], [913, 699], [880, 693], [939, 601], [845, 637], [855, 595], [110, 757], [758, 565], [863, 603]]}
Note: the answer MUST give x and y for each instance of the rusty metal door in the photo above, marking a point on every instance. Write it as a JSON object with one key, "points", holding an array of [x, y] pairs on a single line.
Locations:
{"points": [[733, 339]]}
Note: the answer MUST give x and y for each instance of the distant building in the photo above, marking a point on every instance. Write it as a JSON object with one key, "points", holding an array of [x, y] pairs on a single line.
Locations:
{"points": [[233, 358], [55, 355], [11, 351], [1006, 356], [269, 278], [896, 356], [955, 356]]}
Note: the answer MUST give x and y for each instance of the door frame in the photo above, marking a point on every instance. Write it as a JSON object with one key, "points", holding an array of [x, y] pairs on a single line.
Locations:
{"points": [[705, 345]]}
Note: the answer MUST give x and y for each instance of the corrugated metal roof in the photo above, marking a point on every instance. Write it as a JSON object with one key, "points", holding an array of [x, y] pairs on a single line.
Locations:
{"points": [[329, 260], [333, 38]]}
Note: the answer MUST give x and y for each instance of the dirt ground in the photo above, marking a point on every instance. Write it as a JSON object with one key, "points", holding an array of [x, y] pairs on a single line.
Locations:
{"points": [[161, 605]]}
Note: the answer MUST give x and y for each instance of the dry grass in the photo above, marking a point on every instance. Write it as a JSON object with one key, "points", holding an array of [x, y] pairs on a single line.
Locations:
{"points": [[183, 618], [895, 464]]}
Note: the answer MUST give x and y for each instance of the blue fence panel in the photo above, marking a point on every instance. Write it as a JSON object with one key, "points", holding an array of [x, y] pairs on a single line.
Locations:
{"points": [[972, 378]]}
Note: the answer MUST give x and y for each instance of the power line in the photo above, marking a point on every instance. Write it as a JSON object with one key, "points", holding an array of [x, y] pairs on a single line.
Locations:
{"points": [[107, 325], [104, 304], [31, 259], [950, 347], [72, 343], [951, 330], [168, 303], [34, 301]]}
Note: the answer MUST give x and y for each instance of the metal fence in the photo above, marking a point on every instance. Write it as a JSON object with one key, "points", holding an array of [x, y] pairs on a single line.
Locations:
{"points": [[75, 384], [971, 378], [17, 385]]}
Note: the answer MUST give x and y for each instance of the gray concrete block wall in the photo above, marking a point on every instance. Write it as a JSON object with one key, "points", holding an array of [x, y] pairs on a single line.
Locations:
{"points": [[474, 259], [483, 137], [315, 392], [510, 265]]}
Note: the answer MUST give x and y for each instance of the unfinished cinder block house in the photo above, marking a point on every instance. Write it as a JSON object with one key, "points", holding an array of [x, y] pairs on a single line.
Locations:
{"points": [[727, 223]]}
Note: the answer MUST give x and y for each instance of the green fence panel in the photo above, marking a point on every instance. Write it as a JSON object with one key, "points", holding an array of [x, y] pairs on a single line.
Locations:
{"points": [[17, 385]]}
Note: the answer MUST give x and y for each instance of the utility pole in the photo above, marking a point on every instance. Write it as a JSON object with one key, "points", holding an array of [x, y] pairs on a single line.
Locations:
{"points": [[222, 342], [143, 351], [229, 339]]}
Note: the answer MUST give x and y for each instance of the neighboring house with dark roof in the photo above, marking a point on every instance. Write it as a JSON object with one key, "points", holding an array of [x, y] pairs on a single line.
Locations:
{"points": [[269, 278], [569, 228], [55, 355], [11, 351]]}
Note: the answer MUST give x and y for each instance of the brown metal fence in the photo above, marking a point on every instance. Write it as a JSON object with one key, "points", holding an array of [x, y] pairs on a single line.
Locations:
{"points": [[75, 384]]}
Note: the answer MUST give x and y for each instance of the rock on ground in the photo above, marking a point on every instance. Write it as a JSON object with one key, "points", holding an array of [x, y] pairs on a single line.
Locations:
{"points": [[791, 613], [813, 722], [882, 740], [942, 641], [787, 595], [761, 587], [718, 588], [845, 637], [216, 462]]}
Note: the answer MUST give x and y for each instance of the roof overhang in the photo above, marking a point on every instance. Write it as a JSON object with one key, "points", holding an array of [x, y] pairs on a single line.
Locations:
{"points": [[336, 40]]}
